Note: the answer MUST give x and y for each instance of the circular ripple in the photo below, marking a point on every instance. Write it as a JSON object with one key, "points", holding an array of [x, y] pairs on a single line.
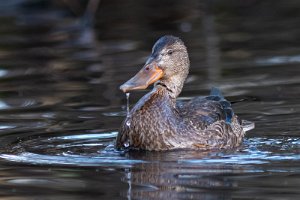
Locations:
{"points": [[75, 150]]}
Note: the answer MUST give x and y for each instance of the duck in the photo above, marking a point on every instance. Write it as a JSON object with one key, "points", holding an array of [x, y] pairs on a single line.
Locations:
{"points": [[157, 122]]}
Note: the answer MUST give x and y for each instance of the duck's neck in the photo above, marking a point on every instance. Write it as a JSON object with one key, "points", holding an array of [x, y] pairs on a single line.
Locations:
{"points": [[154, 101], [173, 84]]}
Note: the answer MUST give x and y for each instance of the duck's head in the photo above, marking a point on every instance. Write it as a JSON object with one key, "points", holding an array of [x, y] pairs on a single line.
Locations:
{"points": [[167, 65]]}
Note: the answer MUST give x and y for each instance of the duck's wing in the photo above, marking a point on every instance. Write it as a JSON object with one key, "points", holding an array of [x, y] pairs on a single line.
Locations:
{"points": [[203, 111]]}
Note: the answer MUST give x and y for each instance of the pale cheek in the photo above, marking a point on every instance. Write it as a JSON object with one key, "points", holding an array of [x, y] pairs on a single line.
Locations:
{"points": [[161, 62]]}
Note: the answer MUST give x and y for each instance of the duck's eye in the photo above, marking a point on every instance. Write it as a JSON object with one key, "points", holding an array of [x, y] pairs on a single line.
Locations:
{"points": [[170, 52]]}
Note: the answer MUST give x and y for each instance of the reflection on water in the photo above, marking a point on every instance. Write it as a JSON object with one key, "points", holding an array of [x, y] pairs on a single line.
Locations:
{"points": [[60, 106], [190, 174]]}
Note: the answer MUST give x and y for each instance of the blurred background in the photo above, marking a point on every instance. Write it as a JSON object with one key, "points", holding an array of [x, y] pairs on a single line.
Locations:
{"points": [[61, 65]]}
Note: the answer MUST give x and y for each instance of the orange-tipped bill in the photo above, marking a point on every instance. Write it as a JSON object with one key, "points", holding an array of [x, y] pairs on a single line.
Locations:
{"points": [[145, 77]]}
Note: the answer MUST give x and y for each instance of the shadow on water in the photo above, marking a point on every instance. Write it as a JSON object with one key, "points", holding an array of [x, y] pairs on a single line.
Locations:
{"points": [[60, 107]]}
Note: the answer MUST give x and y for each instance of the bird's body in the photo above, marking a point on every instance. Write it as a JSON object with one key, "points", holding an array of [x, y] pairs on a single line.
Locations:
{"points": [[157, 123]]}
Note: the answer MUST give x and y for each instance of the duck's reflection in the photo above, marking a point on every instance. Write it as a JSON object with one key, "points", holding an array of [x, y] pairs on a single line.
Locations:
{"points": [[167, 176]]}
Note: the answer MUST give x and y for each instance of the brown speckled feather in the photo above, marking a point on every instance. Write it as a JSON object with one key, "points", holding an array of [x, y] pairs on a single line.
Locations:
{"points": [[156, 124]]}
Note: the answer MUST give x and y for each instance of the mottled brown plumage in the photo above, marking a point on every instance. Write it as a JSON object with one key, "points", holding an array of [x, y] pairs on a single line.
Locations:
{"points": [[157, 123]]}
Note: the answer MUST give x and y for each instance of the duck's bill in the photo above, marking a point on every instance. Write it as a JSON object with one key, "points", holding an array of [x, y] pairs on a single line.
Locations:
{"points": [[145, 77]]}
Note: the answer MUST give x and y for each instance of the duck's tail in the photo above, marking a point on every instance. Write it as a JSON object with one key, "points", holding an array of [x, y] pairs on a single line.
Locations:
{"points": [[247, 125], [216, 95]]}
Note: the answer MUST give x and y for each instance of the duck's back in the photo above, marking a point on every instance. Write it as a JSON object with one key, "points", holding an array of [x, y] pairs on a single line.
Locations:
{"points": [[204, 111], [214, 121]]}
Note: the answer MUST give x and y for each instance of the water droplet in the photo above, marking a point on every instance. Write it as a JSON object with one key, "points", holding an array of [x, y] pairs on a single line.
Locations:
{"points": [[127, 105], [126, 144]]}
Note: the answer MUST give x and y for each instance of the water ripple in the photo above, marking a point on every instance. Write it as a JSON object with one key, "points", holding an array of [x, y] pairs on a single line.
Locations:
{"points": [[98, 149], [65, 159]]}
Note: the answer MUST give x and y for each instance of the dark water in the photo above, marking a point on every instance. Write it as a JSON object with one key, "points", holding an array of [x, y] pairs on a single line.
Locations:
{"points": [[60, 107]]}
